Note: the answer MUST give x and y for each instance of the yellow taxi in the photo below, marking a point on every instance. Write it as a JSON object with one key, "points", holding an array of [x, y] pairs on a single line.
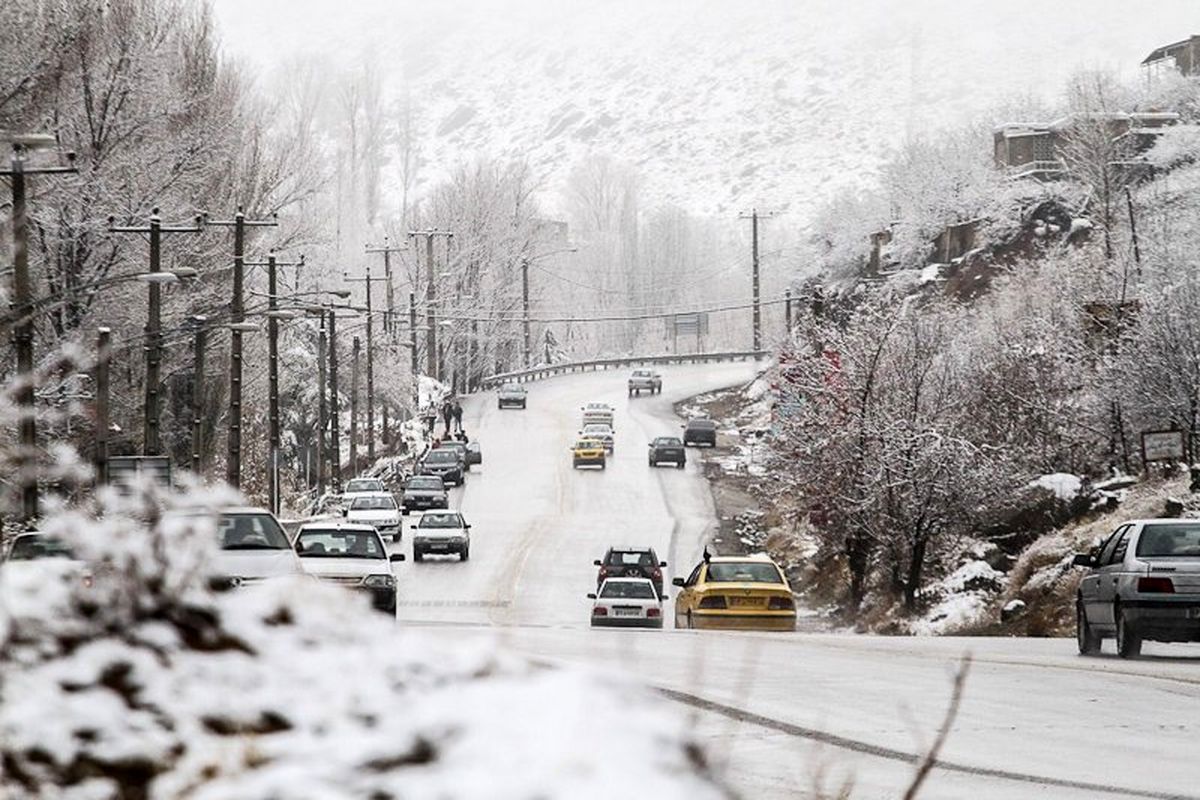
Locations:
{"points": [[588, 452], [735, 592]]}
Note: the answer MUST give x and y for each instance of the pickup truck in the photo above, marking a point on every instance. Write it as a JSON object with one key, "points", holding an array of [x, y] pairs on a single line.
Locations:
{"points": [[645, 380]]}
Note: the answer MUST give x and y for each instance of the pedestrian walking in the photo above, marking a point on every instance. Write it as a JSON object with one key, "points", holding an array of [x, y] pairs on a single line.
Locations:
{"points": [[447, 417], [456, 411]]}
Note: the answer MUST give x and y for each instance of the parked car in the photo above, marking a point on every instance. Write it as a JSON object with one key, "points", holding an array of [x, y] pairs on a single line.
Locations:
{"points": [[1142, 583], [444, 463], [459, 449], [379, 510], [442, 532], [601, 413], [627, 603], [601, 433], [644, 380], [631, 562], [350, 555], [356, 487], [588, 452], [669, 449], [749, 593], [474, 453], [422, 492], [700, 431], [511, 395]]}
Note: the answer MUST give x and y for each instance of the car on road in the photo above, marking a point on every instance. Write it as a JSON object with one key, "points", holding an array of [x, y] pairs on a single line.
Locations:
{"points": [[379, 510], [700, 431], [627, 603], [735, 592], [356, 487], [474, 454], [443, 533], [1142, 583], [598, 413], [644, 380], [253, 546], [512, 395], [350, 555], [423, 492], [589, 453], [35, 558], [459, 449], [669, 449], [631, 562], [602, 433], [445, 464]]}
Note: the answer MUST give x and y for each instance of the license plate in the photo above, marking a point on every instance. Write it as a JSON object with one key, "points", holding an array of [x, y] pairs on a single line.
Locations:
{"points": [[627, 612], [744, 601]]}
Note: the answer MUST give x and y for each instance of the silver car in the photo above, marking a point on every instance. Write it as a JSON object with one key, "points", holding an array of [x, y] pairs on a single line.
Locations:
{"points": [[1143, 583], [442, 533]]}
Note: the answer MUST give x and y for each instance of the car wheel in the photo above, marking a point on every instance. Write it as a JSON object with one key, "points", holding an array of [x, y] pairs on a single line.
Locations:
{"points": [[1087, 639], [603, 465], [1129, 643], [395, 538], [464, 554], [652, 463], [680, 464], [418, 555], [691, 623]]}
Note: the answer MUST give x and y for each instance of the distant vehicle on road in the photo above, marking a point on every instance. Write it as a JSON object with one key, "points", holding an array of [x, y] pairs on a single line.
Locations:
{"points": [[350, 555], [601, 433], [700, 431], [1142, 583], [627, 603], [442, 532], [459, 449], [423, 492], [669, 449], [474, 453], [512, 395], [601, 413], [748, 593], [645, 380], [379, 510], [356, 487], [445, 464], [588, 452], [631, 562]]}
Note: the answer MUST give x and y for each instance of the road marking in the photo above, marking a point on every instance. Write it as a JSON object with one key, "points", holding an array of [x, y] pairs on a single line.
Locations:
{"points": [[456, 603], [865, 748]]}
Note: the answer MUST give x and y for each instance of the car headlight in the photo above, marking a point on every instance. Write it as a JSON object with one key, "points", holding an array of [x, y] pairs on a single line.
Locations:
{"points": [[379, 581]]}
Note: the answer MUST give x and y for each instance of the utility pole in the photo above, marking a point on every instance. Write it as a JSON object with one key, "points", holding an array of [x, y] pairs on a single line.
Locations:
{"points": [[151, 444], [321, 407], [198, 345], [389, 322], [368, 280], [754, 216], [354, 410], [431, 355], [412, 346], [787, 312], [525, 347], [23, 305], [239, 223], [335, 405], [103, 356]]}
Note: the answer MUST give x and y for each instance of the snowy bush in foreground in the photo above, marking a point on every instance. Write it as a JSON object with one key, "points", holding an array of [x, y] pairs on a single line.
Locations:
{"points": [[145, 684]]}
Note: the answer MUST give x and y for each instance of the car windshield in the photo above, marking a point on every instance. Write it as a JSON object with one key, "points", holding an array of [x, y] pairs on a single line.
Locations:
{"points": [[364, 485], [377, 503], [639, 590], [587, 444], [436, 520], [441, 456], [630, 558], [251, 532], [667, 441], [335, 543], [641, 373], [425, 483], [31, 548], [597, 430], [1174, 540], [743, 572], [510, 388]]}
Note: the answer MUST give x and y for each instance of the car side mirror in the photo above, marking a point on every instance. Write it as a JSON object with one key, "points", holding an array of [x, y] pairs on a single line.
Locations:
{"points": [[466, 527], [345, 512], [1083, 560], [662, 563], [591, 595], [597, 563], [412, 527], [677, 582], [396, 557]]}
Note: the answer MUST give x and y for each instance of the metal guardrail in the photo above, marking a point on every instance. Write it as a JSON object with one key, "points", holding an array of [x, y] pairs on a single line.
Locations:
{"points": [[550, 370]]}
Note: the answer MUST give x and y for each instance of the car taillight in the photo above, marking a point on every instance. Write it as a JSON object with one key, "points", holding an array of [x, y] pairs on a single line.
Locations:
{"points": [[713, 601], [653, 612], [1156, 585], [599, 611], [781, 604]]}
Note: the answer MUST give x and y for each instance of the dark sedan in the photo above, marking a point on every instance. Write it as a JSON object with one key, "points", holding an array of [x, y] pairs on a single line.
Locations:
{"points": [[700, 431], [668, 449], [423, 492], [444, 463]]}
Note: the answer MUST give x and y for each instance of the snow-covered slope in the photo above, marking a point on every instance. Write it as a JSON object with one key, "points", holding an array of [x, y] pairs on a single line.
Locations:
{"points": [[720, 105]]}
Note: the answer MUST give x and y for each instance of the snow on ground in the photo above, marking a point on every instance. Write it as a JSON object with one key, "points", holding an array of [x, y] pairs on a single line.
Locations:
{"points": [[144, 683], [1064, 486], [967, 596]]}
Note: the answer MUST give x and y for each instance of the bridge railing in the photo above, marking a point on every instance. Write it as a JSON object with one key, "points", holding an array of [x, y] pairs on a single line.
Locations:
{"points": [[617, 362]]}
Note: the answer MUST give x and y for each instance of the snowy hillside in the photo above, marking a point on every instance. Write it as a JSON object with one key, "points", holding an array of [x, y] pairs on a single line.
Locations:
{"points": [[719, 104]]}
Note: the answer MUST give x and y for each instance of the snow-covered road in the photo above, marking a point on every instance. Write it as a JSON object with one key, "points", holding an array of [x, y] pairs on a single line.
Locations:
{"points": [[777, 709]]}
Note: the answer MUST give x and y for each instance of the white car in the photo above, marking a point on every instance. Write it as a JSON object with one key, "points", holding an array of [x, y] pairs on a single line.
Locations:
{"points": [[379, 510], [598, 413], [34, 560], [627, 603], [601, 433], [441, 532], [357, 487], [350, 555], [253, 544]]}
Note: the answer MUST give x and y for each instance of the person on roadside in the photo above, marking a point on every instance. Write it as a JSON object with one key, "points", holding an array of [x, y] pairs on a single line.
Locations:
{"points": [[456, 411], [447, 417]]}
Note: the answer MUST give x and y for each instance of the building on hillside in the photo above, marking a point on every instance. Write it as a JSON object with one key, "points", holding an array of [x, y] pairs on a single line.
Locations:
{"points": [[1034, 149], [1182, 56]]}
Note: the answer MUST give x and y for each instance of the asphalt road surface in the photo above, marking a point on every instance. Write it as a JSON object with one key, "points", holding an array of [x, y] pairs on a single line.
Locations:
{"points": [[781, 713]]}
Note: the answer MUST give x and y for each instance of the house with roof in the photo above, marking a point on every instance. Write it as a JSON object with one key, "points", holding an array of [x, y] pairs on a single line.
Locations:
{"points": [[1034, 149], [1182, 56]]}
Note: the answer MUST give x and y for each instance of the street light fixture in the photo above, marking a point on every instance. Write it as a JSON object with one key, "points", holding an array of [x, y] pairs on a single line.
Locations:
{"points": [[243, 327], [157, 277]]}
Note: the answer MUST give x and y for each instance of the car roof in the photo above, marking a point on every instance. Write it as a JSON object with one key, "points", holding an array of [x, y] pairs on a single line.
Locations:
{"points": [[242, 510], [337, 524], [755, 559], [628, 580], [632, 548], [370, 495]]}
